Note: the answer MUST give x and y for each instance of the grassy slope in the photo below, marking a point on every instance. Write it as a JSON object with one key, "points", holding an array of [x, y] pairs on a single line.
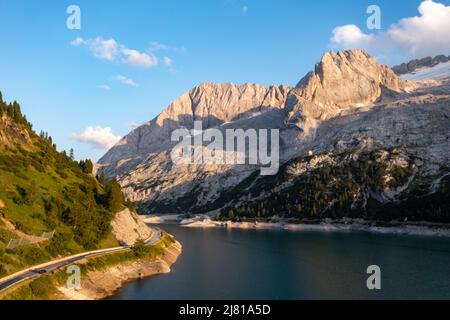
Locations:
{"points": [[43, 190]]}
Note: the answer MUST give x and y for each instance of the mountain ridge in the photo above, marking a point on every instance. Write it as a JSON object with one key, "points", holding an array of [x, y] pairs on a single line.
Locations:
{"points": [[415, 64], [349, 102], [200, 103]]}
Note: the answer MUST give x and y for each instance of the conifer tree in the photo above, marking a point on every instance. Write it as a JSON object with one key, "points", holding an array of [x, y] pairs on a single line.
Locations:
{"points": [[71, 154], [114, 196]]}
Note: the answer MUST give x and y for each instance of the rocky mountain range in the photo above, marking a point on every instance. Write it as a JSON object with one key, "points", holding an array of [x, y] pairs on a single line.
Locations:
{"points": [[416, 64], [350, 120]]}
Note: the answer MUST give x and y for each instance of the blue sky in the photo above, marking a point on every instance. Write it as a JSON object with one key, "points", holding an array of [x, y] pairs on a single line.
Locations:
{"points": [[62, 87]]}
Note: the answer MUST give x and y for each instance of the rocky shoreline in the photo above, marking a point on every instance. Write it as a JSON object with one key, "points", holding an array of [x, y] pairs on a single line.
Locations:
{"points": [[97, 285], [420, 228]]}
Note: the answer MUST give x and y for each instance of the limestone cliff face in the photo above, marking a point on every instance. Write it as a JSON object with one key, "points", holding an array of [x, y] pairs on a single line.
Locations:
{"points": [[128, 228], [213, 104], [348, 103], [343, 80]]}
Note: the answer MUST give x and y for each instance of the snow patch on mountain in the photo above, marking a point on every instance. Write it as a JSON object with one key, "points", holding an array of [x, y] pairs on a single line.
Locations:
{"points": [[439, 72]]}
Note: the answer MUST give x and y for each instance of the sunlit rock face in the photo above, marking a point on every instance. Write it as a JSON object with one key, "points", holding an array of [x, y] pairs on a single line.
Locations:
{"points": [[343, 80], [213, 104], [349, 102]]}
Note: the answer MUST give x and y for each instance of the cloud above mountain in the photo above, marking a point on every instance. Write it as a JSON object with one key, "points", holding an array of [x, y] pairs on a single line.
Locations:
{"points": [[98, 137], [113, 51], [124, 80], [424, 35]]}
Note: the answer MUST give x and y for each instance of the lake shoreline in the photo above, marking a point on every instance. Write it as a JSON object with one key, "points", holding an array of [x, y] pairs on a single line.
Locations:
{"points": [[421, 228], [102, 284]]}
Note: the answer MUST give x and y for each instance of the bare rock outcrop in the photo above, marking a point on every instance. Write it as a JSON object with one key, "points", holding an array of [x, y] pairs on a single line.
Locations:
{"points": [[213, 104], [101, 284], [11, 134], [413, 65], [128, 228], [342, 80]]}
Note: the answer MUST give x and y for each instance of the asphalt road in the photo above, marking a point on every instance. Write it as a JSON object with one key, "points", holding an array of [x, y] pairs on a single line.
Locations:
{"points": [[36, 272]]}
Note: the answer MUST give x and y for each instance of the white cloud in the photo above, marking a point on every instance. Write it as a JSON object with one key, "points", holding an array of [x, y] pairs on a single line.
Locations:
{"points": [[138, 59], [244, 9], [156, 46], [425, 35], [349, 35], [98, 137], [104, 87], [111, 50], [125, 80], [102, 49], [168, 62], [78, 41]]}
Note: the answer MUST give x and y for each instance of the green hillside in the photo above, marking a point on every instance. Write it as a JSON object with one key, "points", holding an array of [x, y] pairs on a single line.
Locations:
{"points": [[42, 190]]}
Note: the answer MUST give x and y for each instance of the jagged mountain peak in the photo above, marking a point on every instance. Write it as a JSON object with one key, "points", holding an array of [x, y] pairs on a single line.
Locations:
{"points": [[340, 80], [208, 86], [348, 78], [212, 103], [223, 102]]}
